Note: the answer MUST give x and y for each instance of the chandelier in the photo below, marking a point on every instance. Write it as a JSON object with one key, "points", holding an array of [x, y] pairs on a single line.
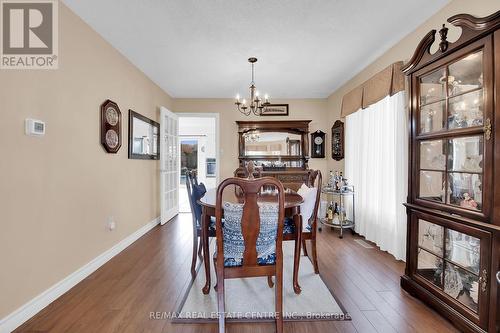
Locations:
{"points": [[256, 104]]}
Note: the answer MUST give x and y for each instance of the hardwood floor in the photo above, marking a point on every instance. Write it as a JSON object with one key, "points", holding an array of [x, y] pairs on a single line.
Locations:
{"points": [[149, 277]]}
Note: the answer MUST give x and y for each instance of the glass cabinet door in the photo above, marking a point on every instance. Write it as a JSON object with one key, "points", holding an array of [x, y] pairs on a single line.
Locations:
{"points": [[450, 260], [451, 123]]}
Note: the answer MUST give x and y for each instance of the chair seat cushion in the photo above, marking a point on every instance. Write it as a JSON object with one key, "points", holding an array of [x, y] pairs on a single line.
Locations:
{"points": [[234, 246], [309, 196], [289, 227], [235, 262]]}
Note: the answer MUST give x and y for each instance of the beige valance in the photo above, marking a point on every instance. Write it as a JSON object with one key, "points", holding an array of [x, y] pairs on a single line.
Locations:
{"points": [[385, 83]]}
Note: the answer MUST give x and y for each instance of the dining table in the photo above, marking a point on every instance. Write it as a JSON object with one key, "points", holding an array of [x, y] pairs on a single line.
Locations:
{"points": [[233, 195]]}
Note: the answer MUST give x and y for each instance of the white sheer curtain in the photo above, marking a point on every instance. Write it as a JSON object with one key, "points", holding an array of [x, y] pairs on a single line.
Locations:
{"points": [[376, 164]]}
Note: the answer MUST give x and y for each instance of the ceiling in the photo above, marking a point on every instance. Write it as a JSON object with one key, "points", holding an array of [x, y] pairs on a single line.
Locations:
{"points": [[306, 48]]}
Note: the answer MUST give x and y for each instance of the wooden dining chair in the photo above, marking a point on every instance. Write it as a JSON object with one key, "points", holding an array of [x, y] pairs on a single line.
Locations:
{"points": [[309, 228], [249, 241], [195, 191]]}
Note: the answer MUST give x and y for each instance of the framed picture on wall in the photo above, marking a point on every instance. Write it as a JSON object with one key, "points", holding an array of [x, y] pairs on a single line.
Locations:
{"points": [[275, 110]]}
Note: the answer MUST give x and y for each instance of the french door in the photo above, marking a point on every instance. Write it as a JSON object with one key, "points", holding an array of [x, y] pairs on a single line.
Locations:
{"points": [[169, 165]]}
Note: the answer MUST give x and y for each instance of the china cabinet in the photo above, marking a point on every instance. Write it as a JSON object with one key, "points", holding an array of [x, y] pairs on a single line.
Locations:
{"points": [[453, 206]]}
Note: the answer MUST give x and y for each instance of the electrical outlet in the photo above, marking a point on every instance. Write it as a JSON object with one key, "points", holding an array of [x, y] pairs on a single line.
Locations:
{"points": [[110, 223]]}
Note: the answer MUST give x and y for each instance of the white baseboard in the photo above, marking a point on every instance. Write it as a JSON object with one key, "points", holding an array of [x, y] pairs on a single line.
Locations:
{"points": [[31, 308]]}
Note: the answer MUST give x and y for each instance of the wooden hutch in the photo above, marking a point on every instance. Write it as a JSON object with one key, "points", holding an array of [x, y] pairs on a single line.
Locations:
{"points": [[279, 148], [453, 240]]}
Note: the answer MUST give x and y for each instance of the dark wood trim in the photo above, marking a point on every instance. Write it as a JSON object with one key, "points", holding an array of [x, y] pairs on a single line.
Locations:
{"points": [[423, 47], [495, 258], [440, 306], [131, 115], [454, 217], [300, 127], [472, 27]]}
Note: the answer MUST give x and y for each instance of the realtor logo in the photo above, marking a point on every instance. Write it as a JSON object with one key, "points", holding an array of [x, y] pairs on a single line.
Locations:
{"points": [[28, 35]]}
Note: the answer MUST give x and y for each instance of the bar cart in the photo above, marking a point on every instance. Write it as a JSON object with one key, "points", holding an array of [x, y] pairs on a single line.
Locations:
{"points": [[333, 196]]}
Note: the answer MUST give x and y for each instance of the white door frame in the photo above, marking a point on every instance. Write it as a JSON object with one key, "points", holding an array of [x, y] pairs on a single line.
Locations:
{"points": [[217, 136]]}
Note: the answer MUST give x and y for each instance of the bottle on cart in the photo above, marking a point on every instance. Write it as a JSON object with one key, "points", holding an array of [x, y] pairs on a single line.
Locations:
{"points": [[342, 214], [329, 212], [330, 180], [335, 219]]}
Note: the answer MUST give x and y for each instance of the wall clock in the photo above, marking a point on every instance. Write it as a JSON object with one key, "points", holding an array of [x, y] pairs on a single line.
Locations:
{"points": [[318, 144], [338, 140], [111, 123]]}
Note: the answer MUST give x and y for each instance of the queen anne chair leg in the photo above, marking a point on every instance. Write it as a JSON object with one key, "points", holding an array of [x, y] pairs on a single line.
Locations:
{"points": [[279, 302], [195, 248], [200, 248], [221, 305], [304, 248], [314, 255]]}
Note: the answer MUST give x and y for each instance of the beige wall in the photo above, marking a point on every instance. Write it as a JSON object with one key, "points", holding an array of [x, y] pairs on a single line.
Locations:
{"points": [[300, 109], [57, 191], [404, 49]]}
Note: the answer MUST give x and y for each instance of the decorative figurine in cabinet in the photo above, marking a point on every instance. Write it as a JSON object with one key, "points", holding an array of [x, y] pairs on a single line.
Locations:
{"points": [[453, 207]]}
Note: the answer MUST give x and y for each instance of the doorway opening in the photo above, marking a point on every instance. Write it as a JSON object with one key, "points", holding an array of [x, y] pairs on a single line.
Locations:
{"points": [[198, 140]]}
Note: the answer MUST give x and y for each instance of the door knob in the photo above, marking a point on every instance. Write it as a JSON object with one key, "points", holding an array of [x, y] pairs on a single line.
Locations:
{"points": [[498, 277]]}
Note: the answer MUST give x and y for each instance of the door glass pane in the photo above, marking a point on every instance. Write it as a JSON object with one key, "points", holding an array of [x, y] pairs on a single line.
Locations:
{"points": [[466, 154], [189, 156], [430, 237], [466, 110], [465, 190], [431, 117], [463, 249], [466, 74], [432, 185], [432, 87], [462, 286], [432, 155], [430, 267]]}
